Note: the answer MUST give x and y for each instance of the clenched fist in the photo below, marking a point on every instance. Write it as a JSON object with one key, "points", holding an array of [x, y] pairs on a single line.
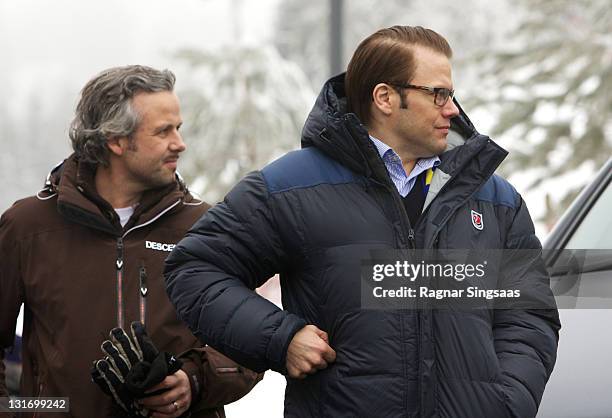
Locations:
{"points": [[308, 352]]}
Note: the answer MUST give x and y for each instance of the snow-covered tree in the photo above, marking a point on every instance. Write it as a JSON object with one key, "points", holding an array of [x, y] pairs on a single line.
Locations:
{"points": [[302, 33], [549, 90], [242, 106]]}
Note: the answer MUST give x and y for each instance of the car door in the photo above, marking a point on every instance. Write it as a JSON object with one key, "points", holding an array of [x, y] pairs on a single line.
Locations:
{"points": [[581, 278]]}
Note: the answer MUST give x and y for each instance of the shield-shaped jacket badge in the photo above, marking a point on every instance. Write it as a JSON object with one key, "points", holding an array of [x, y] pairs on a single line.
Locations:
{"points": [[477, 220]]}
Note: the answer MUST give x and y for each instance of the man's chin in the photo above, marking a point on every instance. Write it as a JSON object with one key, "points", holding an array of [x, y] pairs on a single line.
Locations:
{"points": [[441, 145], [161, 181], [169, 174], [437, 147]]}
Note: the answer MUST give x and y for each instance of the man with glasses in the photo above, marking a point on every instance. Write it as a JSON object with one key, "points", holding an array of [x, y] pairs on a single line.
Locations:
{"points": [[378, 170]]}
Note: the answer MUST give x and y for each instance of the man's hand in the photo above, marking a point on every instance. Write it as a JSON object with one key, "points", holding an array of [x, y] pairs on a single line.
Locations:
{"points": [[133, 367], [308, 352], [175, 399]]}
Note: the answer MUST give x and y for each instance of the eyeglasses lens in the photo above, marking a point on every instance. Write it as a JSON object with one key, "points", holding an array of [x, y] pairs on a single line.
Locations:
{"points": [[442, 96]]}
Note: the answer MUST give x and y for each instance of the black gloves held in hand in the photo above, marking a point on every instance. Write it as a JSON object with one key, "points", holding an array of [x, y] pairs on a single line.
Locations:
{"points": [[131, 366]]}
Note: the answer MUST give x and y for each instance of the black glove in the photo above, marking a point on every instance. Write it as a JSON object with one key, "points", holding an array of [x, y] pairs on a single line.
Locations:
{"points": [[130, 367]]}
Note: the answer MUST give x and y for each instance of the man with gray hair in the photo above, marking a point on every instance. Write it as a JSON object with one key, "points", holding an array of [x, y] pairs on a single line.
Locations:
{"points": [[85, 257]]}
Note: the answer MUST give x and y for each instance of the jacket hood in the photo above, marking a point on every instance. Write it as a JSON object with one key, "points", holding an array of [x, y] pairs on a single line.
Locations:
{"points": [[342, 136], [336, 132]]}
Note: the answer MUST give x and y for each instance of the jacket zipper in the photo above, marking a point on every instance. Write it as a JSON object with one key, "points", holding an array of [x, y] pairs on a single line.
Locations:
{"points": [[407, 228], [143, 292], [405, 221], [143, 273], [403, 216], [119, 265], [411, 241]]}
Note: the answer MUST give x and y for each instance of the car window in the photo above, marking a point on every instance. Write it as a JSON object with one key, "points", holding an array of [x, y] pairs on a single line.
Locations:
{"points": [[595, 230]]}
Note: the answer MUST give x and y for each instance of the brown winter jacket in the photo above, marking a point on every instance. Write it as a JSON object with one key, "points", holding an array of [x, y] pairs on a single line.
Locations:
{"points": [[79, 273]]}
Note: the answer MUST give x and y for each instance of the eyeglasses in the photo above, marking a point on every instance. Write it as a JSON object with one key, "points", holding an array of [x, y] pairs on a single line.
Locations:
{"points": [[441, 94]]}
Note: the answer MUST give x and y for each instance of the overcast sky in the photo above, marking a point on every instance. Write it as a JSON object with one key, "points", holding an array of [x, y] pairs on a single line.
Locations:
{"points": [[71, 40]]}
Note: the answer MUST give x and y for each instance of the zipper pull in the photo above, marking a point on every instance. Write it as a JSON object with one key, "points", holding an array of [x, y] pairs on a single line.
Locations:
{"points": [[143, 281], [411, 239], [119, 253], [142, 275]]}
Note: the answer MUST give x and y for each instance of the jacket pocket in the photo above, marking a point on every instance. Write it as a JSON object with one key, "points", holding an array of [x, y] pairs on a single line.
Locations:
{"points": [[225, 370], [465, 347], [371, 342]]}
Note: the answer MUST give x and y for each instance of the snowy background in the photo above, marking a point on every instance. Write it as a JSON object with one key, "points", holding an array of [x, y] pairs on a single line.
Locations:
{"points": [[535, 75]]}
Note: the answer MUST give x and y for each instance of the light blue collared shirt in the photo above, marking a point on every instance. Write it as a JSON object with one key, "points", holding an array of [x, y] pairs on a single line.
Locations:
{"points": [[403, 182]]}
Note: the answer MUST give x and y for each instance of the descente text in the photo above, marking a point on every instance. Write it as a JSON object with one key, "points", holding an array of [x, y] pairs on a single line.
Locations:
{"points": [[159, 246]]}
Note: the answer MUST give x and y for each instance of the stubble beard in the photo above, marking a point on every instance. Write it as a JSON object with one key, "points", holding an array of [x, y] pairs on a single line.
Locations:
{"points": [[153, 180], [160, 177]]}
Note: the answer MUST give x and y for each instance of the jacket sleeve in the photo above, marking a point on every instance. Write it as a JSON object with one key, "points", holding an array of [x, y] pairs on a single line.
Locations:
{"points": [[215, 379], [11, 291], [212, 273], [526, 336]]}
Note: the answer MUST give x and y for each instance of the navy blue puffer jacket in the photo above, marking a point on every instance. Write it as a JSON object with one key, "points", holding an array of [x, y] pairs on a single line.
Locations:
{"points": [[312, 216]]}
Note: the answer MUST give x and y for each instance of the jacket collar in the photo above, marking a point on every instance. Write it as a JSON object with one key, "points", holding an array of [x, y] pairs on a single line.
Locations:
{"points": [[79, 201]]}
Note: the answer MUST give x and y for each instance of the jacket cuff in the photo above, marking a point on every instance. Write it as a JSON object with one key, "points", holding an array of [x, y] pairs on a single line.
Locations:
{"points": [[218, 380], [194, 373], [279, 343]]}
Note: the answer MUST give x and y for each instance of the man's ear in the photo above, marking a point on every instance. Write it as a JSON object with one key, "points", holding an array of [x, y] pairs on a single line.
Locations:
{"points": [[117, 144], [382, 99]]}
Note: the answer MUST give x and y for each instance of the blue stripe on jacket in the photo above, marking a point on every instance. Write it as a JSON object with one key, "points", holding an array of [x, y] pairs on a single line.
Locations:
{"points": [[304, 168], [499, 192]]}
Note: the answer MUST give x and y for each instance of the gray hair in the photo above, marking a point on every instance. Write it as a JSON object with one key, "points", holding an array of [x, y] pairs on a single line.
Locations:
{"points": [[105, 108]]}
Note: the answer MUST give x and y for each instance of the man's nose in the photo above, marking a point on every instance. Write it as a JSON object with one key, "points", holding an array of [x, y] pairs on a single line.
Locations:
{"points": [[450, 109], [177, 144]]}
